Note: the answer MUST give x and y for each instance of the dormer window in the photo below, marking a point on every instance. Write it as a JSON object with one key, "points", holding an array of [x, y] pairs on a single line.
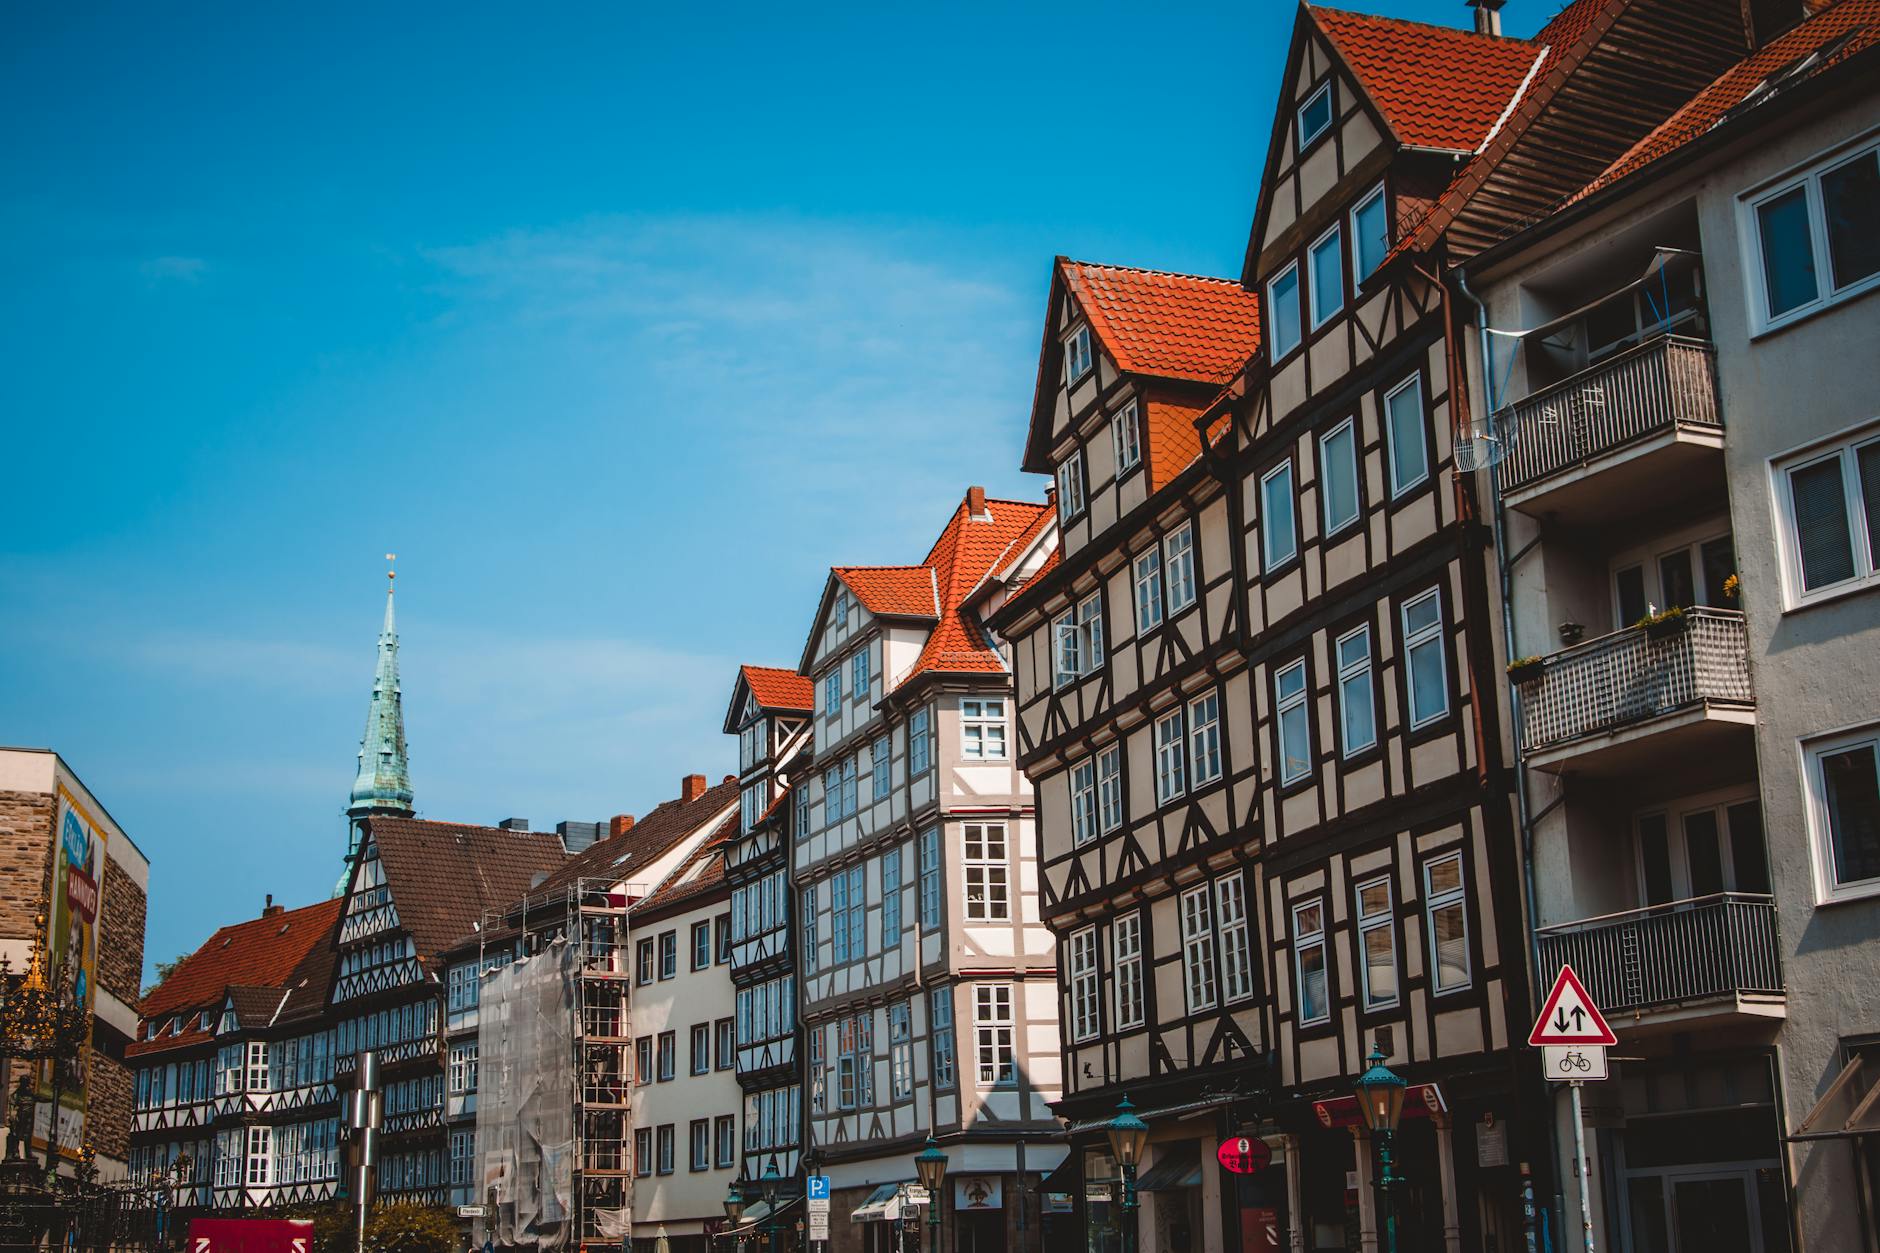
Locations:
{"points": [[1315, 116], [1126, 432], [1070, 485], [1077, 355]]}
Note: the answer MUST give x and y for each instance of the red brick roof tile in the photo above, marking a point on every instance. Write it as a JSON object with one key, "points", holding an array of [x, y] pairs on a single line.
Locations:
{"points": [[892, 591], [777, 688], [261, 952], [1177, 326], [969, 548]]}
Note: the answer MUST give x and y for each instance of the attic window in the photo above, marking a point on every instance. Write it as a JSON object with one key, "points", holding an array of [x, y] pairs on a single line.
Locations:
{"points": [[1315, 115], [1077, 354]]}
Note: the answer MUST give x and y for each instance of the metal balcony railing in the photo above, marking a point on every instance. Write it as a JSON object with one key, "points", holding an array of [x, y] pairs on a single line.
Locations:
{"points": [[1635, 674], [1661, 385], [1684, 951]]}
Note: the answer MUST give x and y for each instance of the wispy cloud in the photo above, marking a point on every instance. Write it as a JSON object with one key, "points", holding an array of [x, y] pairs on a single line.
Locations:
{"points": [[174, 269]]}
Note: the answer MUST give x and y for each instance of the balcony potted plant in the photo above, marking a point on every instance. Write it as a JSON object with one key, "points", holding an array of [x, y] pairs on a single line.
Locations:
{"points": [[1665, 624], [1525, 670]]}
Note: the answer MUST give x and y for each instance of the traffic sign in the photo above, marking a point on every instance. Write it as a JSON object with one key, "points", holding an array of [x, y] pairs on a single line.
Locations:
{"points": [[1244, 1155], [819, 1224], [818, 1204], [1574, 1063], [818, 1188], [1568, 1015]]}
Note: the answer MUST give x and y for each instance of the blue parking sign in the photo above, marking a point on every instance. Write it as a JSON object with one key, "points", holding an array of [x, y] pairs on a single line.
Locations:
{"points": [[819, 1187]]}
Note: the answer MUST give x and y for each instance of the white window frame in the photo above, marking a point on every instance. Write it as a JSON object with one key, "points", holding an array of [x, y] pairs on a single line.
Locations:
{"points": [[1171, 768], [1178, 568], [1845, 449], [1083, 782], [1233, 924], [1271, 560], [1200, 957], [1820, 822], [1070, 485], [919, 743], [1284, 703], [1126, 438], [1090, 632], [859, 676], [1331, 115], [1146, 577], [1351, 675], [1304, 940], [1275, 350], [986, 863], [1204, 740], [1414, 385], [1333, 526], [1085, 981], [1359, 271], [1079, 354], [1418, 639], [1762, 322], [1335, 238], [1126, 971], [993, 1035], [1067, 665], [1110, 788], [1457, 898], [982, 728], [1376, 920]]}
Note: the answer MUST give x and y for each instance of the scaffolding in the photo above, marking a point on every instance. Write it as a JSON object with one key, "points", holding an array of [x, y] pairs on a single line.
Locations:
{"points": [[554, 1120]]}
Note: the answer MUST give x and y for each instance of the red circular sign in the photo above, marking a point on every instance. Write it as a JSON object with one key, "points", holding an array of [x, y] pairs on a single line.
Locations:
{"points": [[1243, 1155]]}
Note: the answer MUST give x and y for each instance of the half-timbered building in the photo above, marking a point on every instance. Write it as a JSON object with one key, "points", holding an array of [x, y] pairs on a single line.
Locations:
{"points": [[928, 990]]}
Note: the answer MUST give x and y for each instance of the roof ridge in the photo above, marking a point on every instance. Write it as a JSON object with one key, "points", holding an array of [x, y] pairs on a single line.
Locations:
{"points": [[1411, 21], [1141, 269]]}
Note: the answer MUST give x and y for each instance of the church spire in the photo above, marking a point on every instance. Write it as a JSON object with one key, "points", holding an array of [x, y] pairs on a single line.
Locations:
{"points": [[383, 785]]}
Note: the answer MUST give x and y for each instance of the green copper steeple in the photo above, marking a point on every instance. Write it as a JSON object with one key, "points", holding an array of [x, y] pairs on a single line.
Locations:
{"points": [[383, 785]]}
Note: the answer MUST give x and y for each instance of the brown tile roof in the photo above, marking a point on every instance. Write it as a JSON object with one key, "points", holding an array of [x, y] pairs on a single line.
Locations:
{"points": [[701, 874], [1437, 86], [262, 952], [777, 688], [892, 591], [618, 858], [444, 875], [1177, 326]]}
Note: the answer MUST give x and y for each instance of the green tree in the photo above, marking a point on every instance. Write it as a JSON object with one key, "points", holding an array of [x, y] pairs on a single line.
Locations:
{"points": [[404, 1228]]}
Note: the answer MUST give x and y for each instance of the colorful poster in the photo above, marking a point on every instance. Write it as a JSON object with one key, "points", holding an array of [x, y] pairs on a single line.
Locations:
{"points": [[72, 961]]}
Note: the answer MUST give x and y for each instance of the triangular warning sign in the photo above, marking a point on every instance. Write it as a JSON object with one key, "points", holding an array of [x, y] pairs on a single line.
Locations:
{"points": [[1568, 1015]]}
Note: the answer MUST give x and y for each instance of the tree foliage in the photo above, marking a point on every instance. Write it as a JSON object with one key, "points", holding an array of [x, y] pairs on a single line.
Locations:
{"points": [[404, 1228]]}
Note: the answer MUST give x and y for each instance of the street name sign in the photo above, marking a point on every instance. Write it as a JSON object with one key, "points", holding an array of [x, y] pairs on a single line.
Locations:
{"points": [[472, 1211], [1568, 1016]]}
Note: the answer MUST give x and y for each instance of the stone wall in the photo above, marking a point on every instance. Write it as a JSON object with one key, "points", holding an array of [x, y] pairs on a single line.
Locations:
{"points": [[121, 934], [108, 1107], [25, 845]]}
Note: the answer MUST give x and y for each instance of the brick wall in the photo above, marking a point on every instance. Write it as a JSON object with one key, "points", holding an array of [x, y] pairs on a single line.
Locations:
{"points": [[120, 934], [25, 846], [108, 1107]]}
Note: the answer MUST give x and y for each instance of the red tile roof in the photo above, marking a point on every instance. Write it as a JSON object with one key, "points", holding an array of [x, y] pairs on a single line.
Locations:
{"points": [[1839, 32], [261, 952], [971, 546], [1437, 86], [777, 688], [892, 591], [1176, 326]]}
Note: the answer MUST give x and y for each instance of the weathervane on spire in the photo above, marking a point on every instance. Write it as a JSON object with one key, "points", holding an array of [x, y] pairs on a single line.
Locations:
{"points": [[390, 574]]}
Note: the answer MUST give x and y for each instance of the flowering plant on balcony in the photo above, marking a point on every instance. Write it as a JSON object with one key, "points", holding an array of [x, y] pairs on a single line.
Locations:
{"points": [[1525, 669], [1664, 623], [1732, 587]]}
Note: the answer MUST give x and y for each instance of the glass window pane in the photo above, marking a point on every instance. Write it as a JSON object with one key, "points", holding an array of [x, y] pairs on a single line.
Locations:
{"points": [[1867, 459], [1276, 516], [1340, 466], [1291, 680], [1788, 253], [1749, 860], [1630, 583], [1718, 557], [1328, 278], [1850, 200], [1674, 579], [1360, 714], [1371, 233], [1452, 946], [1315, 116], [1409, 456], [1702, 852], [1821, 524], [1853, 805], [1380, 967], [1283, 311], [1294, 746], [1444, 875], [1655, 854], [1312, 1006]]}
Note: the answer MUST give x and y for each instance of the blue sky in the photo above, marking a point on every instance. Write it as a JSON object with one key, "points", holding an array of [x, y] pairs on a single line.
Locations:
{"points": [[619, 324]]}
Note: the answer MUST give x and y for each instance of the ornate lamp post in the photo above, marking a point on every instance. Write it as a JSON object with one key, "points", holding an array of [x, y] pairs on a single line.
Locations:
{"points": [[771, 1184], [734, 1209], [1128, 1135], [1380, 1100], [931, 1165]]}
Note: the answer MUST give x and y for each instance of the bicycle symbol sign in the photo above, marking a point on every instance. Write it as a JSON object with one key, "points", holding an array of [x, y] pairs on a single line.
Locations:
{"points": [[1581, 1062]]}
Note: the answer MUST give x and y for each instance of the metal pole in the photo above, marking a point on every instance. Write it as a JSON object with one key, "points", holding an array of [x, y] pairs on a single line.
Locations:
{"points": [[1385, 1181], [1579, 1164], [1129, 1209]]}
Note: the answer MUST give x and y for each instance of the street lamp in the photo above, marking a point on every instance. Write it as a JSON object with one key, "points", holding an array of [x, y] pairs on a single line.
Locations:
{"points": [[1380, 1100], [1128, 1134], [772, 1184], [734, 1210], [931, 1165]]}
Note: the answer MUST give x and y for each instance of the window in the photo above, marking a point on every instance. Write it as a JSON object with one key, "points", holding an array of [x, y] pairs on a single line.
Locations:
{"points": [[1377, 943], [643, 960], [987, 890], [878, 760], [643, 1059], [665, 1137], [901, 1050], [1077, 355], [1327, 257], [701, 1048], [1110, 787], [668, 1055], [1357, 704], [1204, 739], [701, 945], [1449, 924], [801, 807], [1230, 899], [848, 909], [1309, 963], [1198, 957], [930, 879], [463, 1149], [701, 1142], [1338, 474], [725, 1141], [643, 1151], [891, 897], [1831, 518], [1844, 814], [668, 954], [1148, 571], [1282, 311], [809, 929], [1084, 983], [725, 1040], [1170, 780], [832, 692], [982, 729], [940, 1020], [462, 1069], [1814, 238], [1279, 538], [1178, 561], [1083, 802], [1126, 969], [1126, 435], [919, 745], [858, 671], [992, 1029], [1294, 722], [1370, 235], [722, 928], [257, 1066], [1408, 435], [1426, 670], [1070, 485], [463, 988], [1315, 115], [260, 1156], [1079, 640], [1090, 631]]}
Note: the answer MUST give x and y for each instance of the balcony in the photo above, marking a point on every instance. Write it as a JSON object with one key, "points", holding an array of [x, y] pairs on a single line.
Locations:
{"points": [[1641, 699], [1640, 428], [1687, 963]]}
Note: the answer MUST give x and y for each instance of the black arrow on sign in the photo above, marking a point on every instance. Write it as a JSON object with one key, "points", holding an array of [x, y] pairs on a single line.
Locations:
{"points": [[1560, 1018]]}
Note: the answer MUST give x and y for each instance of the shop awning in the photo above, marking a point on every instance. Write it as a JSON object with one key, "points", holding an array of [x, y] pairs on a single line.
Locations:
{"points": [[752, 1218], [1177, 1166], [1421, 1100], [1850, 1107], [882, 1205]]}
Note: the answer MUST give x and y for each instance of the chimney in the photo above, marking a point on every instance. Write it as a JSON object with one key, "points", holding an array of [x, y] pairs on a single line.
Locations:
{"points": [[1487, 16], [270, 909], [514, 824], [976, 502], [619, 824], [692, 787]]}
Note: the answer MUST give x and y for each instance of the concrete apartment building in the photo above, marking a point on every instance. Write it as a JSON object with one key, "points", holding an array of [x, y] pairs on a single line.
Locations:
{"points": [[929, 993], [73, 889], [1680, 365]]}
